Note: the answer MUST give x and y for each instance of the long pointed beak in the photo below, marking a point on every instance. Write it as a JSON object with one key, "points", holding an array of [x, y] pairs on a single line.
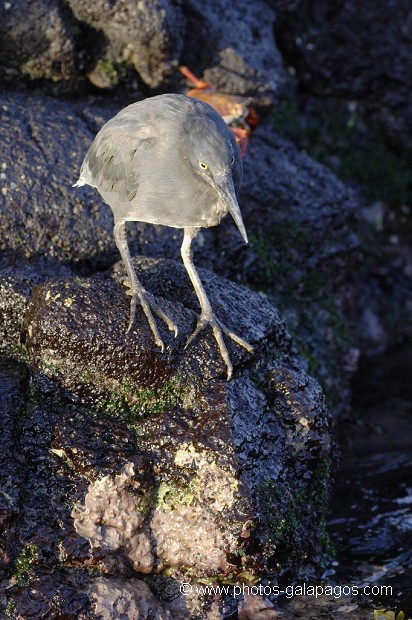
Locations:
{"points": [[227, 192]]}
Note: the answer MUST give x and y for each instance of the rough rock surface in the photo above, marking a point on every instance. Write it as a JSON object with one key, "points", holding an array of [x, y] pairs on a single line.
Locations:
{"points": [[43, 141], [14, 294], [14, 384], [16, 283], [297, 204], [237, 46], [158, 463], [358, 51], [117, 598], [58, 309], [302, 225], [106, 44], [146, 35], [39, 46]]}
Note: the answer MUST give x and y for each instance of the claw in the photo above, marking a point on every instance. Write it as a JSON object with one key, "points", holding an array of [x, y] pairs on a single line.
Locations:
{"points": [[148, 305], [151, 304], [162, 315], [201, 324], [217, 328], [150, 319], [235, 337]]}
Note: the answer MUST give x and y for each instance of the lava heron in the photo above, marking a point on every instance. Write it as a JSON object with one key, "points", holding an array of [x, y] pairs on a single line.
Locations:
{"points": [[168, 160]]}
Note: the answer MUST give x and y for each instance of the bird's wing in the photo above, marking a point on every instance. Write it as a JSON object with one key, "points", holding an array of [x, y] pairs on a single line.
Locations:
{"points": [[110, 163]]}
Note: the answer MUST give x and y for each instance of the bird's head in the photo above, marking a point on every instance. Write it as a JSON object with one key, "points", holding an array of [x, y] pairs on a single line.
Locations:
{"points": [[214, 156]]}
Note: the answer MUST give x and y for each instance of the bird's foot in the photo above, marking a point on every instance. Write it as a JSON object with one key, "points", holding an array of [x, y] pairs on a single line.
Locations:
{"points": [[219, 329], [148, 304]]}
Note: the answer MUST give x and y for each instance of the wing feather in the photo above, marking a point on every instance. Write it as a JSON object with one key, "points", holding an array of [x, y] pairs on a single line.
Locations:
{"points": [[110, 163]]}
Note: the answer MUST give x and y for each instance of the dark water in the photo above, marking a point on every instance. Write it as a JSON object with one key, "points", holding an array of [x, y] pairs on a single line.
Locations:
{"points": [[371, 520]]}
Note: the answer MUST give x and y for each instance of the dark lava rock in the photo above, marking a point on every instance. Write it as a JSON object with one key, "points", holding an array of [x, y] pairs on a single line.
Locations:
{"points": [[75, 314], [358, 51], [13, 388], [153, 461], [50, 595], [16, 283], [145, 35], [304, 252], [235, 44], [297, 208], [106, 43], [14, 295], [36, 41], [43, 142]]}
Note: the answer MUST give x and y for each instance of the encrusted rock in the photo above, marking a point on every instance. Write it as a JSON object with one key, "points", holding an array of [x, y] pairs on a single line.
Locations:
{"points": [[14, 384], [255, 607], [215, 453], [117, 599], [145, 35], [358, 52], [42, 144], [36, 41], [158, 464], [111, 519], [236, 47]]}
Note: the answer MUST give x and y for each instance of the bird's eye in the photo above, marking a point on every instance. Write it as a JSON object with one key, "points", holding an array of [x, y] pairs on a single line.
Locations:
{"points": [[203, 166], [232, 161]]}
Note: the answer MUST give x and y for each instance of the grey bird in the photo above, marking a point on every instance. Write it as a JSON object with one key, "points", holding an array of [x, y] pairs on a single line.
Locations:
{"points": [[168, 160]]}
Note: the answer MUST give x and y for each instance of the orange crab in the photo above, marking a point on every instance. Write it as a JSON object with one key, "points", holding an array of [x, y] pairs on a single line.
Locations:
{"points": [[236, 111]]}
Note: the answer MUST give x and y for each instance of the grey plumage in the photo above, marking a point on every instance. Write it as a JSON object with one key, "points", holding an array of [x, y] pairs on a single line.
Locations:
{"points": [[168, 160]]}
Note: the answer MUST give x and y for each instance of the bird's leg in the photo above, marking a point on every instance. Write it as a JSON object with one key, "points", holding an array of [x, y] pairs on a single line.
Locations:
{"points": [[138, 292], [207, 316]]}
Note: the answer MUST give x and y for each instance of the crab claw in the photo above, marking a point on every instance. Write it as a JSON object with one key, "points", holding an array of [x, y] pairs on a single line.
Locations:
{"points": [[242, 139], [198, 83]]}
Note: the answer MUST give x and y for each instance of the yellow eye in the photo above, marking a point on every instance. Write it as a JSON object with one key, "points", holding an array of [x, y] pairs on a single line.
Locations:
{"points": [[203, 166]]}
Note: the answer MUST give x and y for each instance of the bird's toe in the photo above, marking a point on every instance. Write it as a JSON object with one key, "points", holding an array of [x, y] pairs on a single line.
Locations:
{"points": [[162, 315], [201, 324], [218, 330], [228, 332]]}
